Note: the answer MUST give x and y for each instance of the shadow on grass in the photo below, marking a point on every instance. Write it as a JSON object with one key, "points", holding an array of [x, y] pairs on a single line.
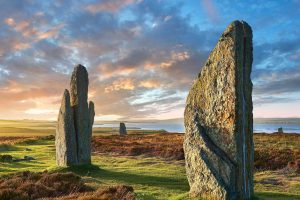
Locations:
{"points": [[275, 196], [34, 142], [103, 174], [16, 166], [7, 147]]}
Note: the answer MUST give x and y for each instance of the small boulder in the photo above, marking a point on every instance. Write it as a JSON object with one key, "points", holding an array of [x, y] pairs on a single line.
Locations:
{"points": [[28, 149], [28, 158]]}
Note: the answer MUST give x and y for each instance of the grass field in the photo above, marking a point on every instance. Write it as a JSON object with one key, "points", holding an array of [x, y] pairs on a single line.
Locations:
{"points": [[151, 177], [43, 128]]}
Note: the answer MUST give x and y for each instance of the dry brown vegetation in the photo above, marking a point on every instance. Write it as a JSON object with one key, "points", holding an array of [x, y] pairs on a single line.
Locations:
{"points": [[120, 192], [12, 140], [28, 185], [168, 146], [276, 151], [272, 151]]}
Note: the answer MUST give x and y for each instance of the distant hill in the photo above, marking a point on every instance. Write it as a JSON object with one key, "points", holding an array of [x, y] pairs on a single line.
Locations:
{"points": [[180, 120], [277, 120]]}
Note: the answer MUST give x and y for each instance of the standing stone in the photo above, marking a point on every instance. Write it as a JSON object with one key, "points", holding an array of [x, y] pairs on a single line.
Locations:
{"points": [[91, 119], [75, 122], [65, 140], [92, 115], [218, 143], [79, 93], [280, 130], [122, 129]]}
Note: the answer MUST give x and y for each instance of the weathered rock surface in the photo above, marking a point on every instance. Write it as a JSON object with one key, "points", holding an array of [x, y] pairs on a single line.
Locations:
{"points": [[218, 142], [79, 92], [122, 129], [92, 115], [66, 142], [75, 122]]}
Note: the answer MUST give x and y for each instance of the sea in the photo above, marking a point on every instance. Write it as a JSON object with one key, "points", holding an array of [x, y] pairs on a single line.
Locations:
{"points": [[261, 125]]}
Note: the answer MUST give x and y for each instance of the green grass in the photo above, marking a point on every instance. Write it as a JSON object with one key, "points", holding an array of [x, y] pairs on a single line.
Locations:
{"points": [[151, 178], [44, 128]]}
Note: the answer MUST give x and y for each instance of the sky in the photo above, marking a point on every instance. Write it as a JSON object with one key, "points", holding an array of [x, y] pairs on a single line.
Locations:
{"points": [[142, 55]]}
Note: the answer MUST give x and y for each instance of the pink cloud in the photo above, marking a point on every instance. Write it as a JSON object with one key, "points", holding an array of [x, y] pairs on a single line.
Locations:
{"points": [[150, 84], [122, 84], [211, 10], [108, 6]]}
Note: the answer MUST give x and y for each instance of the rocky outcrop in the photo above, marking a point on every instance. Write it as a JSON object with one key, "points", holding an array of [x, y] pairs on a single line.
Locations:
{"points": [[218, 142], [75, 122], [122, 129]]}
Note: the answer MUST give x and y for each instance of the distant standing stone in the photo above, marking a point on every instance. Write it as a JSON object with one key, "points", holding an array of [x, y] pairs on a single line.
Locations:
{"points": [[218, 143], [122, 130], [280, 130], [65, 142]]}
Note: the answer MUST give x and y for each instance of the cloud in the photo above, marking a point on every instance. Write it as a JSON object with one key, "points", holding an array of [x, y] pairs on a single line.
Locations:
{"points": [[279, 82], [150, 84], [28, 31], [211, 10], [142, 56], [122, 84], [50, 33], [108, 6]]}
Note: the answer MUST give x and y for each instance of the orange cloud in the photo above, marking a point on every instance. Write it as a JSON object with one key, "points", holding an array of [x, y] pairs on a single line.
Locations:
{"points": [[123, 84], [108, 6], [50, 33], [108, 71], [175, 57], [9, 21], [149, 84], [180, 56], [30, 33], [21, 45]]}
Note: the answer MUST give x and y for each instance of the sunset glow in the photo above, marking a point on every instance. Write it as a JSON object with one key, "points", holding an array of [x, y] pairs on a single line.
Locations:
{"points": [[142, 56]]}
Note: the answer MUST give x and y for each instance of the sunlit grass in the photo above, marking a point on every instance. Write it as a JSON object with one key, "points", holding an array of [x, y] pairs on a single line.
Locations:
{"points": [[151, 178]]}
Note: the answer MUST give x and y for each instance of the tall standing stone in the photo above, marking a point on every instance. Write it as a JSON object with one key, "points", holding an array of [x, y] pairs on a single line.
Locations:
{"points": [[65, 142], [91, 120], [75, 122], [92, 115], [79, 94], [122, 129], [218, 119]]}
